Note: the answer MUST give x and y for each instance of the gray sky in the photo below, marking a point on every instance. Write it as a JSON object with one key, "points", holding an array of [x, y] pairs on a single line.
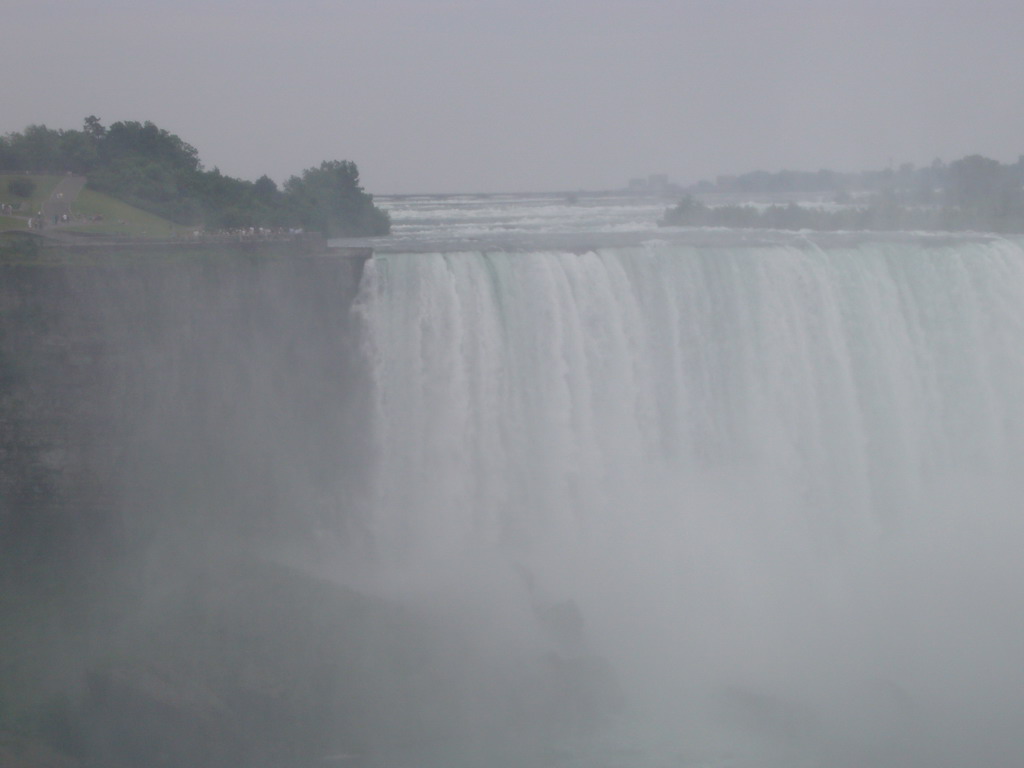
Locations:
{"points": [[517, 95]]}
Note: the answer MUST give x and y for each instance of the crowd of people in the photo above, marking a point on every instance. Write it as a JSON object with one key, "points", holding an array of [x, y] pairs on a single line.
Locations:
{"points": [[39, 221], [250, 233]]}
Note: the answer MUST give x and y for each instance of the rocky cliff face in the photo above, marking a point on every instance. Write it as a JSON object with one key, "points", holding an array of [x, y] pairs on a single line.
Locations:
{"points": [[128, 388], [165, 427]]}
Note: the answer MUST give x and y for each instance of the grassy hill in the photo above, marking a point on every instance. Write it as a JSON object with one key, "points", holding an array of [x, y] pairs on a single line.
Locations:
{"points": [[94, 213], [24, 207], [103, 215]]}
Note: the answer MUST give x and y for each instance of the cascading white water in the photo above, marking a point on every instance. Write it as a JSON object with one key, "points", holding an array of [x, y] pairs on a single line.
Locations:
{"points": [[782, 482]]}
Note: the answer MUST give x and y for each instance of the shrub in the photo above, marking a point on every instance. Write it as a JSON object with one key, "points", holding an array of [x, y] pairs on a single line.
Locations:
{"points": [[21, 186]]}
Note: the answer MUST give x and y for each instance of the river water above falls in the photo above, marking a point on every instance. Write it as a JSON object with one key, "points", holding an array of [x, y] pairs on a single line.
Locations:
{"points": [[771, 480]]}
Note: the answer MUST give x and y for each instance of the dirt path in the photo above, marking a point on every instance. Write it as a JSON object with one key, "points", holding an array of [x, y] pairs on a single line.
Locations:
{"points": [[60, 200]]}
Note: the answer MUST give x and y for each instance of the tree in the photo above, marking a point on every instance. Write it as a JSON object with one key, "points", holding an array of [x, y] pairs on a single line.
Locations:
{"points": [[974, 181], [38, 148], [94, 128], [22, 186], [79, 151], [329, 199], [148, 141], [265, 190]]}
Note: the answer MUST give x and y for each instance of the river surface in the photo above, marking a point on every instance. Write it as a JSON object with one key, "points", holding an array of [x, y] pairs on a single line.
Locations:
{"points": [[525, 222]]}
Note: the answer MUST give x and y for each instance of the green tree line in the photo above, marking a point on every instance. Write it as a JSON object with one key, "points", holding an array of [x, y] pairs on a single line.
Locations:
{"points": [[973, 193], [157, 171]]}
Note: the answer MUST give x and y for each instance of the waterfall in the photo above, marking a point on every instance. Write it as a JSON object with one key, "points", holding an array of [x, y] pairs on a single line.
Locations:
{"points": [[782, 482]]}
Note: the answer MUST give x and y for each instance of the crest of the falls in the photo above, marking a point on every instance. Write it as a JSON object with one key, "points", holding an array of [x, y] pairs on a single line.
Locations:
{"points": [[525, 395]]}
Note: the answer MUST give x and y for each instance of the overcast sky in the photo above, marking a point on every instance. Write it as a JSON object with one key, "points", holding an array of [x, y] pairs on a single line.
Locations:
{"points": [[519, 95]]}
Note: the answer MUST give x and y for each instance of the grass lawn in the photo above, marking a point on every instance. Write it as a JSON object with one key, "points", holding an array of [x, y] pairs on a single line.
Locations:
{"points": [[104, 214], [44, 186], [12, 222], [117, 218]]}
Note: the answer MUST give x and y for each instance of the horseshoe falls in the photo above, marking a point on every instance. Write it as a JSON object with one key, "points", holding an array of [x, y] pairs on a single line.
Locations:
{"points": [[751, 503]]}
